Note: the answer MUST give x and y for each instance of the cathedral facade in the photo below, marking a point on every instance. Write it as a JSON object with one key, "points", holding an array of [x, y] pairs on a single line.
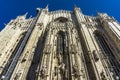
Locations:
{"points": [[60, 45]]}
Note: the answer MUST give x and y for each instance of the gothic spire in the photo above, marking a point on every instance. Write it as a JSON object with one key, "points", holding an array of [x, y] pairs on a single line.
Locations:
{"points": [[47, 6], [25, 14], [75, 6]]}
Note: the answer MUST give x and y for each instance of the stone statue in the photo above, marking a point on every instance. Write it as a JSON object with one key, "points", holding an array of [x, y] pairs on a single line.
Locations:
{"points": [[43, 71], [62, 67], [75, 71]]}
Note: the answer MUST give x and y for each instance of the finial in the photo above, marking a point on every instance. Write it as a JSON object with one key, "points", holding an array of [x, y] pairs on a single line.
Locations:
{"points": [[26, 14], [5, 24], [97, 12], [47, 6], [30, 16], [75, 6]]}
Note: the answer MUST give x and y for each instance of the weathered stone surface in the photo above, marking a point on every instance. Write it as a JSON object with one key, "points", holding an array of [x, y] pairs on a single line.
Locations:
{"points": [[62, 45]]}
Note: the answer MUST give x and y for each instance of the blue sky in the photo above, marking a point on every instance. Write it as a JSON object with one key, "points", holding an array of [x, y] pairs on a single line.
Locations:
{"points": [[10, 9]]}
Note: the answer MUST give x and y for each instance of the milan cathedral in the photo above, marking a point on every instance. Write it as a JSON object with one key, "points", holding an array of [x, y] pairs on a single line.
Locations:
{"points": [[60, 45]]}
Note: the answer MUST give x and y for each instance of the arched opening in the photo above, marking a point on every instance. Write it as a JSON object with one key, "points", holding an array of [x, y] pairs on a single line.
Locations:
{"points": [[60, 42], [107, 53], [61, 19], [62, 55]]}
